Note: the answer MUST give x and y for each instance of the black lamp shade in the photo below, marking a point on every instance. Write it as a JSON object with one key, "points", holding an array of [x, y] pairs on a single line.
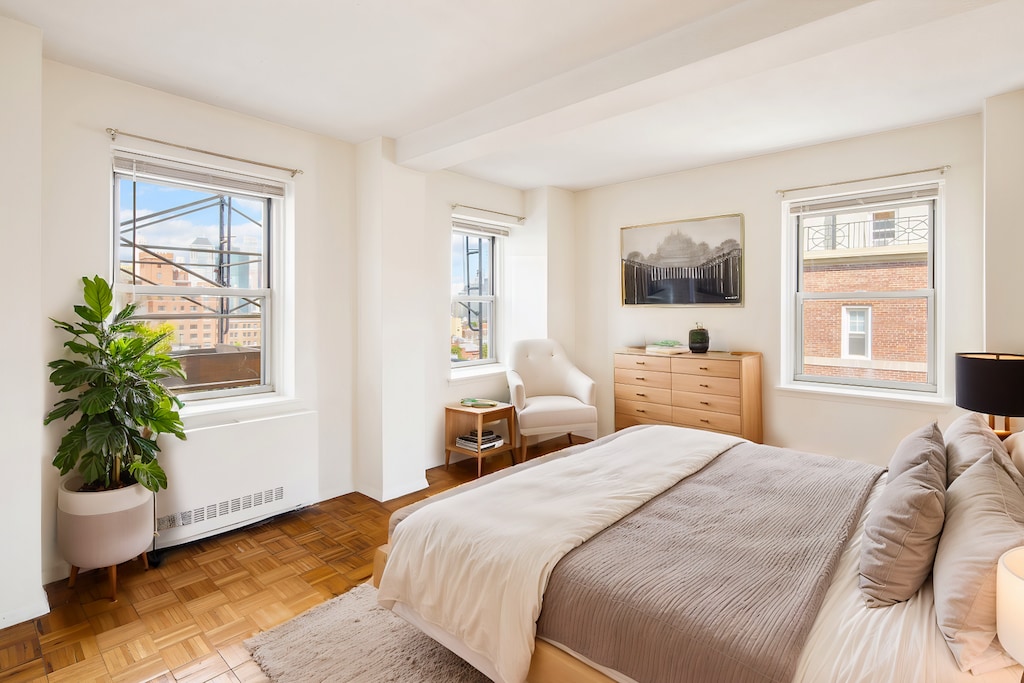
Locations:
{"points": [[990, 383]]}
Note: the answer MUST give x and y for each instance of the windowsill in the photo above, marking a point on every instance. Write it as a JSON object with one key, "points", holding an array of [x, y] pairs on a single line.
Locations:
{"points": [[224, 411], [866, 395], [474, 373]]}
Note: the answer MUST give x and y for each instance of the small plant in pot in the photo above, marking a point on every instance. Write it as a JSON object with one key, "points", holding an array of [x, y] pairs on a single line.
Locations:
{"points": [[105, 513]]}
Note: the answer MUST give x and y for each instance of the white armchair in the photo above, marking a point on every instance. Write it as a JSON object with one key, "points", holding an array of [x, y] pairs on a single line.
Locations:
{"points": [[551, 395]]}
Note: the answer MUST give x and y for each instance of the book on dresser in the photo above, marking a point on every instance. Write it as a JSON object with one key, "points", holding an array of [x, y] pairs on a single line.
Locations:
{"points": [[719, 391]]}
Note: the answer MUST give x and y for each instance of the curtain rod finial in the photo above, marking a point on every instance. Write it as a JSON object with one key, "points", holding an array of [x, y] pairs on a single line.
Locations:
{"points": [[112, 132]]}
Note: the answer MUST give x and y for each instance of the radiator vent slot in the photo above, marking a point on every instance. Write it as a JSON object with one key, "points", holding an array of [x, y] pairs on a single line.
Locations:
{"points": [[224, 508]]}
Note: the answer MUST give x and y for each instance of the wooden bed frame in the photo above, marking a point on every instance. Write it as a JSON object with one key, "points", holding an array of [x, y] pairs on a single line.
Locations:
{"points": [[548, 665]]}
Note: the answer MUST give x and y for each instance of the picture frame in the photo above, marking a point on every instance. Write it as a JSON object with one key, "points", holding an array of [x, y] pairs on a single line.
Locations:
{"points": [[688, 262]]}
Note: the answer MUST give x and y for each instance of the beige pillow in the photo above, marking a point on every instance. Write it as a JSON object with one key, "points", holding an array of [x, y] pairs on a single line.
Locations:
{"points": [[984, 518], [1014, 444], [902, 529], [967, 439]]}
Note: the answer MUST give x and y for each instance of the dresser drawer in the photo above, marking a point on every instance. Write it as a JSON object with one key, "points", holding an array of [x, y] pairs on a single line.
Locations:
{"points": [[653, 411], [716, 403], [643, 378], [651, 363], [725, 386], [704, 419], [622, 421], [706, 366], [634, 392]]}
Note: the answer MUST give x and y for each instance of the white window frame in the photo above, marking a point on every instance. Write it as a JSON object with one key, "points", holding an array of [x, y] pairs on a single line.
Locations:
{"points": [[793, 297], [496, 235], [848, 333], [171, 172]]}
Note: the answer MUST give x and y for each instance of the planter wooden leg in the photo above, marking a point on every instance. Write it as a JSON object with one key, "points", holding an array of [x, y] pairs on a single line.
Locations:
{"points": [[74, 575], [112, 575]]}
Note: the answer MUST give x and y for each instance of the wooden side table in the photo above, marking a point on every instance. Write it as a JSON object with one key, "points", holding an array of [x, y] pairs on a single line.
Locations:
{"points": [[460, 419]]}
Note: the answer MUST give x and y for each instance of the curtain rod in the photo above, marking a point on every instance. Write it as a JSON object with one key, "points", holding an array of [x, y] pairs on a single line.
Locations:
{"points": [[114, 132], [499, 213], [940, 169]]}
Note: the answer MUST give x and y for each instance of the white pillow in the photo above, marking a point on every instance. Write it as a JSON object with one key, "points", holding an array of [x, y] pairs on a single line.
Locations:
{"points": [[984, 519]]}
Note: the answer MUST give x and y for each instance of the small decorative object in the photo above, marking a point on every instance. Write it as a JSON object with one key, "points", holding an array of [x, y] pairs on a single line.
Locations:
{"points": [[666, 347], [479, 403], [699, 339]]}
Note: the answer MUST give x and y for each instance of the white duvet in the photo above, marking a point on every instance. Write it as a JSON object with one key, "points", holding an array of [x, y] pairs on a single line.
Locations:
{"points": [[471, 569]]}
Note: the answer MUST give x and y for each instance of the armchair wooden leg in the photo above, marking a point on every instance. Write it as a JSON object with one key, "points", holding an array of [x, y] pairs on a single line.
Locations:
{"points": [[112, 578], [571, 442], [74, 575]]}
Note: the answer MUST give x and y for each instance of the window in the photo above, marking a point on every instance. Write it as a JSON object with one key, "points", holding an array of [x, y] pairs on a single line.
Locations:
{"points": [[476, 250], [856, 331], [196, 241], [865, 289]]}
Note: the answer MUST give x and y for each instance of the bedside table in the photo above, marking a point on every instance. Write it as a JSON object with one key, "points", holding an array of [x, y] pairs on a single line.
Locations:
{"points": [[460, 419]]}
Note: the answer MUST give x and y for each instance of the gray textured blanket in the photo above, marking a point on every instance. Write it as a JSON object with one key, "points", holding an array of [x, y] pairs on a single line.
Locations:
{"points": [[719, 578]]}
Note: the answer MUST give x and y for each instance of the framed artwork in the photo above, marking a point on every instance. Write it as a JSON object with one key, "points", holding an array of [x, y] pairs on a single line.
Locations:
{"points": [[691, 262]]}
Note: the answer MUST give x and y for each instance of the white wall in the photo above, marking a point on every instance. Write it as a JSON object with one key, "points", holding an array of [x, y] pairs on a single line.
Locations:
{"points": [[814, 422], [1004, 226], [22, 404], [317, 258]]}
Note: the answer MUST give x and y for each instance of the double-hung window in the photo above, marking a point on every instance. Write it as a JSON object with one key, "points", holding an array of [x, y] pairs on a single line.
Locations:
{"points": [[193, 249], [864, 304], [476, 259]]}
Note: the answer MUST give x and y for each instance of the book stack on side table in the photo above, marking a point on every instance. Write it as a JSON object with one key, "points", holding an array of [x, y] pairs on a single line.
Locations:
{"points": [[488, 440]]}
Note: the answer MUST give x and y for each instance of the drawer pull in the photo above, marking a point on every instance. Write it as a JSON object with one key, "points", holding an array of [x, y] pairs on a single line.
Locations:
{"points": [[640, 362], [704, 403], [703, 368], [639, 394], [705, 386], [642, 379], [707, 422], [640, 410]]}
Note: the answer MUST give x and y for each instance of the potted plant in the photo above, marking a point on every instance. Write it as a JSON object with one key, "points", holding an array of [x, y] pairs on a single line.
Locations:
{"points": [[105, 513]]}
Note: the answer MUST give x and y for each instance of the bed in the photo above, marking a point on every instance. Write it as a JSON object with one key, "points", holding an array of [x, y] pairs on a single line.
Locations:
{"points": [[667, 554]]}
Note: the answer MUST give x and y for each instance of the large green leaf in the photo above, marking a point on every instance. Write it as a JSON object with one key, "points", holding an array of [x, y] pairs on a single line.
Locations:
{"points": [[97, 400], [95, 469], [70, 448], [108, 439], [149, 474], [61, 410], [98, 297]]}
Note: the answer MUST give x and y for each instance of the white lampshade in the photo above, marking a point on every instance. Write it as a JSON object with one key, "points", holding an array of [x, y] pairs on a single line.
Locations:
{"points": [[1010, 602]]}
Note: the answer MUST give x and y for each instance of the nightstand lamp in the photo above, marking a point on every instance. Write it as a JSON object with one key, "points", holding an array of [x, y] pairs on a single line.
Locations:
{"points": [[1010, 602], [991, 383]]}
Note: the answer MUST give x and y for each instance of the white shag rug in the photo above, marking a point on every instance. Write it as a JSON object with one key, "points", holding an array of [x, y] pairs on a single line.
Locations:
{"points": [[352, 639]]}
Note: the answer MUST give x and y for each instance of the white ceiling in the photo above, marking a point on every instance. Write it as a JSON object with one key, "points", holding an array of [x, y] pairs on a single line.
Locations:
{"points": [[569, 93]]}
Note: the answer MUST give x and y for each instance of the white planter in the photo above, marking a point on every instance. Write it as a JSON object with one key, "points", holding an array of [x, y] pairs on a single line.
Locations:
{"points": [[103, 528]]}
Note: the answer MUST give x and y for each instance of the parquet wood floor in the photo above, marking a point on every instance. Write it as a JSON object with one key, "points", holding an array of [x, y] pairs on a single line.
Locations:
{"points": [[186, 619]]}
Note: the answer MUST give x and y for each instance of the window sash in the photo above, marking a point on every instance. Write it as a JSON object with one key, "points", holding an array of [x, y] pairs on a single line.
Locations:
{"points": [[139, 168], [929, 385], [463, 228]]}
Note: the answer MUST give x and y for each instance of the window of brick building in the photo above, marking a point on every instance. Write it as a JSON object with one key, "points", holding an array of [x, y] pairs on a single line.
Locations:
{"points": [[864, 300]]}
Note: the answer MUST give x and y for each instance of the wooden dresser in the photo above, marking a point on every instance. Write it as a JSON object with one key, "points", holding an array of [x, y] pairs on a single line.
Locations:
{"points": [[715, 390]]}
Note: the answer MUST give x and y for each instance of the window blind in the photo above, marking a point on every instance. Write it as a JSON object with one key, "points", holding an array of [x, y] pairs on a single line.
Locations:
{"points": [[865, 201], [190, 174]]}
